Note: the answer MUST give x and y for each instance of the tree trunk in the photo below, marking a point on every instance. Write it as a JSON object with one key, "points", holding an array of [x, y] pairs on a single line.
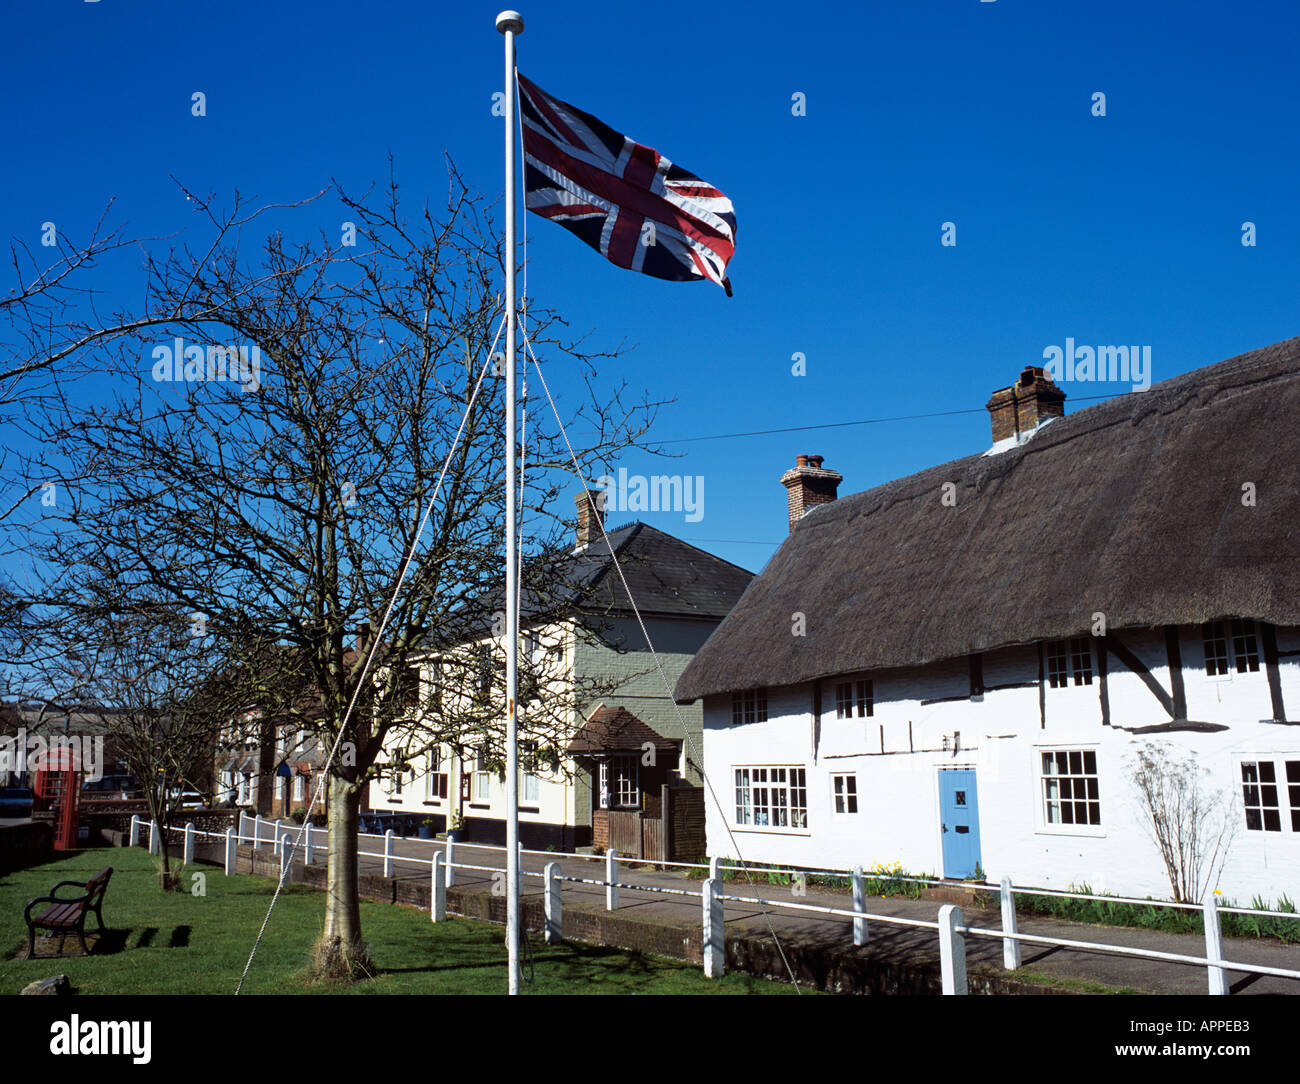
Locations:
{"points": [[340, 953]]}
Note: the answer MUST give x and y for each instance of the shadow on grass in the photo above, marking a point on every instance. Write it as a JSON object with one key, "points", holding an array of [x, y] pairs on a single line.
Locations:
{"points": [[68, 947]]}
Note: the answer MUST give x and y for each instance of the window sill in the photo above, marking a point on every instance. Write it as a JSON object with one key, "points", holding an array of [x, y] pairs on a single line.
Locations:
{"points": [[482, 805], [431, 801], [530, 809], [1090, 832], [761, 830]]}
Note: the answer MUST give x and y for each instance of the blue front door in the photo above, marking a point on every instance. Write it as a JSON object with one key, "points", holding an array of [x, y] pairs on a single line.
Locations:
{"points": [[959, 813]]}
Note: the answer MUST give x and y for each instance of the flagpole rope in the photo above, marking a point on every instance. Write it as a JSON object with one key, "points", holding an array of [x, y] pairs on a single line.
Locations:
{"points": [[287, 865], [695, 753]]}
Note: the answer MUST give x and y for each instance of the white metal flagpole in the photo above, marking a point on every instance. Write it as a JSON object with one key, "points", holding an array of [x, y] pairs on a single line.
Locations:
{"points": [[510, 23]]}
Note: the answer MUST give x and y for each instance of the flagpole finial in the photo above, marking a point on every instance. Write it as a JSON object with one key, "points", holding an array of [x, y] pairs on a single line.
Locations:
{"points": [[510, 21]]}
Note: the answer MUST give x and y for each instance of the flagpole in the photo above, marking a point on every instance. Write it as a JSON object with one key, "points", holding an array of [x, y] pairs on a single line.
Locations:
{"points": [[511, 23]]}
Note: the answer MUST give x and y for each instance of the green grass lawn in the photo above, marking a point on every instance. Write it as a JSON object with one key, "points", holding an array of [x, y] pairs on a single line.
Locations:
{"points": [[179, 943]]}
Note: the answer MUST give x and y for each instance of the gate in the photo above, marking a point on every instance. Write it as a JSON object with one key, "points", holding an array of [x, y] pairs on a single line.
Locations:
{"points": [[634, 835]]}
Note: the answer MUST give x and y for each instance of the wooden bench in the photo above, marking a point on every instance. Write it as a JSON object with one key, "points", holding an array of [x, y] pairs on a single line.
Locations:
{"points": [[65, 915]]}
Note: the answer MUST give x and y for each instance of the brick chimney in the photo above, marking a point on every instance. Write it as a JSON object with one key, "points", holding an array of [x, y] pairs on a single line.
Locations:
{"points": [[1018, 410], [809, 484], [591, 514]]}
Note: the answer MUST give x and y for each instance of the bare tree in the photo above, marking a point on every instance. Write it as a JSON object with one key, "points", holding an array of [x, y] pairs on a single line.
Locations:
{"points": [[269, 472], [1192, 827], [141, 666]]}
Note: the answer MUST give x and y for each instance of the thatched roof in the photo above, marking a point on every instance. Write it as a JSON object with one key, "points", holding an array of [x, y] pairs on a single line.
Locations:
{"points": [[617, 730], [1132, 508]]}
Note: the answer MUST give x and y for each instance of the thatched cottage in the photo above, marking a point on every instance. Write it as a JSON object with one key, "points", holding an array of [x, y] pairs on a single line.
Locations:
{"points": [[956, 670]]}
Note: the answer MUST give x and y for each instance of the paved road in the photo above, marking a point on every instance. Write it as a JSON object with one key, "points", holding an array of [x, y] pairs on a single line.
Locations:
{"points": [[888, 941]]}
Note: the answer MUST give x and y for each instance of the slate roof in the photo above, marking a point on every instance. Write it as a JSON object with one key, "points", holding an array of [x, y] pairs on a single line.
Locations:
{"points": [[1132, 508], [666, 576]]}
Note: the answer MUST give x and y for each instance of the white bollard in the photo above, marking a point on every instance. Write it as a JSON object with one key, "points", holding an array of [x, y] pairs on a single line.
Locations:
{"points": [[1214, 947], [388, 853], [187, 855], [611, 880], [554, 907], [438, 889], [859, 904], [1010, 949], [135, 830], [155, 844], [714, 936], [286, 852], [451, 861], [232, 842], [952, 950]]}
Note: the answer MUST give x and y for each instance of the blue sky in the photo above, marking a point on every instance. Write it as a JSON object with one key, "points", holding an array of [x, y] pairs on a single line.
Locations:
{"points": [[1117, 229]]}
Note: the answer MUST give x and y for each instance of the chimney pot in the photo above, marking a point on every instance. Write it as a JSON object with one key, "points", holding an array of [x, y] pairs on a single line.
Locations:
{"points": [[807, 485], [1020, 409]]}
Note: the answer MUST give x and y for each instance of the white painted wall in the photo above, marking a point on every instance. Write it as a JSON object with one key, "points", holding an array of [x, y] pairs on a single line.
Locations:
{"points": [[1003, 736]]}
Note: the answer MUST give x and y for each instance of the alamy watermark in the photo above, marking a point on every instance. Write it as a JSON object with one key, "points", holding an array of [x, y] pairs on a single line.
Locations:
{"points": [[1125, 364], [26, 752], [176, 362], [659, 493]]}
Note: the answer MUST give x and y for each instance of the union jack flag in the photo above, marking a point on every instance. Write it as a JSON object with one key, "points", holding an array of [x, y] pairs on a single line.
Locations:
{"points": [[625, 200]]}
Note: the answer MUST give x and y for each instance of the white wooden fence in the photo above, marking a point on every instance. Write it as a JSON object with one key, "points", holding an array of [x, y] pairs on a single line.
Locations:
{"points": [[950, 926]]}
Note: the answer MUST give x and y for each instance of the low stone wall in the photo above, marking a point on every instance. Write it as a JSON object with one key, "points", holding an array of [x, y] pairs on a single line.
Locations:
{"points": [[834, 967]]}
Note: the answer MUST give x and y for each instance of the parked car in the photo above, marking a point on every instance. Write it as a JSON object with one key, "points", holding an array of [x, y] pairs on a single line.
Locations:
{"points": [[186, 798], [16, 802], [112, 786]]}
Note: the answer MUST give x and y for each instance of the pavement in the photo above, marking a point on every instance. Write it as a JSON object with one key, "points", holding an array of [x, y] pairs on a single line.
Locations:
{"points": [[1063, 966]]}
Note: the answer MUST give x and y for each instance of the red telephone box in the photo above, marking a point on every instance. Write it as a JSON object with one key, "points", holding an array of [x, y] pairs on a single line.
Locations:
{"points": [[57, 789]]}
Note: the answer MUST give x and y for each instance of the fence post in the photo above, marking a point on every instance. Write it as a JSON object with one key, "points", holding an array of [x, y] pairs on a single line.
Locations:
{"points": [[239, 827], [285, 853], [135, 830], [231, 842], [714, 936], [952, 950], [611, 880], [257, 831], [306, 842], [438, 890], [1214, 946], [713, 869], [859, 904], [1010, 949], [277, 836], [451, 861], [155, 844], [187, 856], [554, 907], [388, 853]]}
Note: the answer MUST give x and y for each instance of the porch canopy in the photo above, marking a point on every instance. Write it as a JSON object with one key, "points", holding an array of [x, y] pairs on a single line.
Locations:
{"points": [[611, 730]]}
